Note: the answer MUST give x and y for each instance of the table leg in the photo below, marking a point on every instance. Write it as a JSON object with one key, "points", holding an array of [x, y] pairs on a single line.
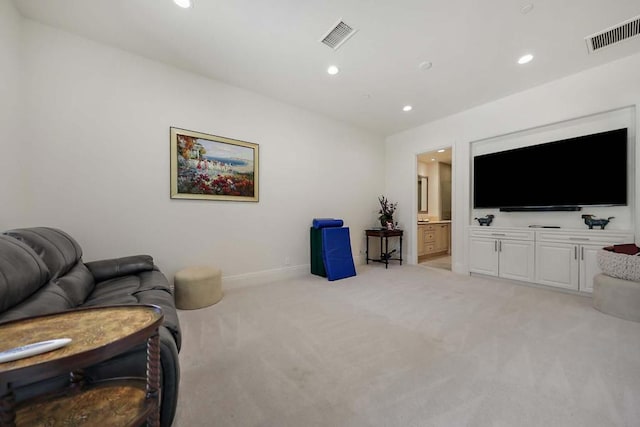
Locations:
{"points": [[367, 249], [401, 249], [386, 252], [76, 380], [153, 378], [7, 407]]}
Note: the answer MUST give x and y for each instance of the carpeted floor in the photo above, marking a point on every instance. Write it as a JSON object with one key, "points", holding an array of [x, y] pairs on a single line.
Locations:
{"points": [[438, 262], [407, 346]]}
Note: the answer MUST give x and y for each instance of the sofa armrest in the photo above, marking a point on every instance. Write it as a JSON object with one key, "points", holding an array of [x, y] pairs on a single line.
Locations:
{"points": [[109, 268]]}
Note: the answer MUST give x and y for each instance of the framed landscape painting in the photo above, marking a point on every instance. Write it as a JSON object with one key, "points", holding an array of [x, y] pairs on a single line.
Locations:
{"points": [[212, 167]]}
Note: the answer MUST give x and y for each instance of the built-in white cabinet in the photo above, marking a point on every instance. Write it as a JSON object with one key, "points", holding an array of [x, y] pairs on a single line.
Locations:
{"points": [[508, 253], [557, 265], [483, 257], [553, 257], [589, 266], [569, 259]]}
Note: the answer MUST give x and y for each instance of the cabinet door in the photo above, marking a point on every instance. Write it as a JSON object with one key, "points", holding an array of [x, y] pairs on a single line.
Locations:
{"points": [[557, 264], [442, 238], [588, 266], [421, 240], [516, 259], [483, 256]]}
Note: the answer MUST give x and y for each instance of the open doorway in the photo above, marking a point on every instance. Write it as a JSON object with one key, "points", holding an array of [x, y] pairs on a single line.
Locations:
{"points": [[434, 208]]}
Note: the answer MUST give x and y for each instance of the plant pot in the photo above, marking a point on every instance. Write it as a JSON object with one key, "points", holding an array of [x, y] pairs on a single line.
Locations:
{"points": [[384, 220]]}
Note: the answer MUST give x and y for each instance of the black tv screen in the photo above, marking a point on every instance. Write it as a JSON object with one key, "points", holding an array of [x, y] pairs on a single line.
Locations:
{"points": [[582, 171]]}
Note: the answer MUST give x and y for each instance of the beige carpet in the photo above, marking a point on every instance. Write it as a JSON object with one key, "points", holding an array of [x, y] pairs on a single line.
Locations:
{"points": [[438, 262], [407, 346]]}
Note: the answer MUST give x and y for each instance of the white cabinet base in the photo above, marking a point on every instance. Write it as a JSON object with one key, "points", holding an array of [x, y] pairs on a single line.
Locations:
{"points": [[557, 265], [483, 257], [562, 258], [503, 253], [516, 259]]}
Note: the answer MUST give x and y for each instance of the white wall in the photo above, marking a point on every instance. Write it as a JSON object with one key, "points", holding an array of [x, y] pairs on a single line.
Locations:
{"points": [[99, 133], [608, 87], [433, 172], [12, 189]]}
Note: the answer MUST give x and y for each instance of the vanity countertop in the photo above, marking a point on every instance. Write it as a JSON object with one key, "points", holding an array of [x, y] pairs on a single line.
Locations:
{"points": [[444, 221]]}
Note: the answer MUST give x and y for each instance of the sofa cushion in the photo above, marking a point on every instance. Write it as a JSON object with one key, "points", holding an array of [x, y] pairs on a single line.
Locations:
{"points": [[22, 272], [49, 299], [77, 284], [59, 251], [147, 287]]}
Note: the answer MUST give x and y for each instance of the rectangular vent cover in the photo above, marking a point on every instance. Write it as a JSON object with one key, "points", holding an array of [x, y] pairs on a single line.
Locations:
{"points": [[339, 34], [615, 34]]}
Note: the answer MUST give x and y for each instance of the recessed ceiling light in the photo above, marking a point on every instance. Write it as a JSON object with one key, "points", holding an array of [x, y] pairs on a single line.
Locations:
{"points": [[433, 160], [407, 108], [525, 58], [441, 151], [186, 4], [333, 70]]}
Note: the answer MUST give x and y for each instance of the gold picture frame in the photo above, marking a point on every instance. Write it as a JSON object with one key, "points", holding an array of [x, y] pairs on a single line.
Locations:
{"points": [[210, 167]]}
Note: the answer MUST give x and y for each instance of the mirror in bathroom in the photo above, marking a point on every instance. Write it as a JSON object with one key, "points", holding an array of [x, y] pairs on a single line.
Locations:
{"points": [[423, 205]]}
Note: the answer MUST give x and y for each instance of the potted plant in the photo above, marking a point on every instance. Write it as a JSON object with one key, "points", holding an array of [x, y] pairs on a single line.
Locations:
{"points": [[386, 212]]}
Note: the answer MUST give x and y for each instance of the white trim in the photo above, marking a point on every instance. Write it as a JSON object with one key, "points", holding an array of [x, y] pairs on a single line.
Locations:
{"points": [[265, 276]]}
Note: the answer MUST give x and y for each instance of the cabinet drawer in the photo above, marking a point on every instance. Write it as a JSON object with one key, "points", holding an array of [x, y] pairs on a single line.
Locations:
{"points": [[429, 248], [501, 233], [429, 236], [585, 237]]}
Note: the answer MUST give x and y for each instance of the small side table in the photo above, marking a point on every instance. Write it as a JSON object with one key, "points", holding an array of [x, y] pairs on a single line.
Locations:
{"points": [[97, 334], [385, 255]]}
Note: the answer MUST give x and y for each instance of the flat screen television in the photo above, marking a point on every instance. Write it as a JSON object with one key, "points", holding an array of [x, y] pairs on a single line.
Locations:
{"points": [[589, 170]]}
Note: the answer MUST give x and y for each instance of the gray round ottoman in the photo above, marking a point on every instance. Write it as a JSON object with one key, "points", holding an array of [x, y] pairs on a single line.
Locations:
{"points": [[197, 287], [617, 297]]}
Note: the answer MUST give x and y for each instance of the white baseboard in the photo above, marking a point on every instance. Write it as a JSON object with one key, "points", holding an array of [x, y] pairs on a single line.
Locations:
{"points": [[359, 259], [265, 276], [268, 276]]}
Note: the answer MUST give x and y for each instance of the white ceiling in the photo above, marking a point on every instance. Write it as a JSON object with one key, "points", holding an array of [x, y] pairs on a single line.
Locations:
{"points": [[435, 156], [272, 47]]}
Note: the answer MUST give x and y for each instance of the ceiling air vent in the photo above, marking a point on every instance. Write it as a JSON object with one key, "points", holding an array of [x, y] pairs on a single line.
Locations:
{"points": [[613, 35], [339, 34]]}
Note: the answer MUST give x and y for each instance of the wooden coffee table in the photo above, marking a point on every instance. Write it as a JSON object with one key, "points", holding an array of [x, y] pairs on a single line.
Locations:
{"points": [[97, 334]]}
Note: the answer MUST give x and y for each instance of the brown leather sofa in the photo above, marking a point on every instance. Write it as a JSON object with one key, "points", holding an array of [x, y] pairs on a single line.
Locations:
{"points": [[42, 271]]}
